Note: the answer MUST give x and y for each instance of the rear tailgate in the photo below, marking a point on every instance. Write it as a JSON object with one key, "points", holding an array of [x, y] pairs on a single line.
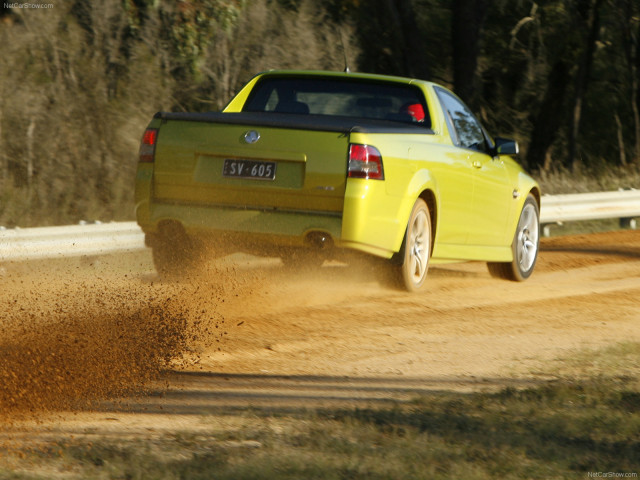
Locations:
{"points": [[251, 161]]}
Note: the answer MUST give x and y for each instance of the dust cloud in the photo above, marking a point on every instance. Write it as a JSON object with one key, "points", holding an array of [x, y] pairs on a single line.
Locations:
{"points": [[72, 335], [77, 332]]}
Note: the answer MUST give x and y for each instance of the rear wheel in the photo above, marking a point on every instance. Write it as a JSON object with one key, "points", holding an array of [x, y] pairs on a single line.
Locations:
{"points": [[416, 248], [524, 246]]}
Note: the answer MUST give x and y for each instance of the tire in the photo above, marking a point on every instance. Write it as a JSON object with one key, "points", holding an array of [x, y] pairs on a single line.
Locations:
{"points": [[174, 253], [525, 245], [416, 248]]}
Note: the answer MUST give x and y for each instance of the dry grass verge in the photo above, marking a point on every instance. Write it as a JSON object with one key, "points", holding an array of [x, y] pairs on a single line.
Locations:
{"points": [[570, 427]]}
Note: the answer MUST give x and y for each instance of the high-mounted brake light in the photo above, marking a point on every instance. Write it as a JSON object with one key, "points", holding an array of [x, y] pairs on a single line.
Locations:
{"points": [[148, 145], [365, 161]]}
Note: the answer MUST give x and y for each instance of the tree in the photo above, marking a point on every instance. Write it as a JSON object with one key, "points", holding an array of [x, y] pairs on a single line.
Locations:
{"points": [[563, 41], [550, 117], [627, 19], [393, 42], [588, 13], [411, 39], [468, 19]]}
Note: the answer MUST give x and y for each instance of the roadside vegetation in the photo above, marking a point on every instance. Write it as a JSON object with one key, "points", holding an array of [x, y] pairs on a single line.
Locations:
{"points": [[80, 81], [579, 417]]}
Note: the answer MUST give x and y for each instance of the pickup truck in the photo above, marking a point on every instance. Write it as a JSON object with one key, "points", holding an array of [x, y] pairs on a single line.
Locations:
{"points": [[308, 165]]}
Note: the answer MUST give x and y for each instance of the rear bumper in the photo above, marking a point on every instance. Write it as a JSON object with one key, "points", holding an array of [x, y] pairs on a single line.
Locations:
{"points": [[368, 222], [280, 228]]}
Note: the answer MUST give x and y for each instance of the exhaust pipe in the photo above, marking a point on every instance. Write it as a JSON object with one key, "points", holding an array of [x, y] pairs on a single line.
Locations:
{"points": [[319, 240]]}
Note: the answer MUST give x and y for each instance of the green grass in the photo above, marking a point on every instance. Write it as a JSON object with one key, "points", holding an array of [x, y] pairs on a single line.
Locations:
{"points": [[585, 420]]}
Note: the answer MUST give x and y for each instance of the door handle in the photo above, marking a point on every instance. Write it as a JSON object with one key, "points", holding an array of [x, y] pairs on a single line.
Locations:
{"points": [[476, 164]]}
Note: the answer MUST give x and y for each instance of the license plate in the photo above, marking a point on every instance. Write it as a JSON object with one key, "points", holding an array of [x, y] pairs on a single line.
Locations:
{"points": [[249, 169]]}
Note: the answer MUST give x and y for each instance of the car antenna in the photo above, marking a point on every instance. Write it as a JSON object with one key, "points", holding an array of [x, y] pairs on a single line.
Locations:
{"points": [[344, 54]]}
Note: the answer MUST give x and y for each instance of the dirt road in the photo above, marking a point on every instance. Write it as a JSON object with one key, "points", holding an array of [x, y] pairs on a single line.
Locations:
{"points": [[76, 332]]}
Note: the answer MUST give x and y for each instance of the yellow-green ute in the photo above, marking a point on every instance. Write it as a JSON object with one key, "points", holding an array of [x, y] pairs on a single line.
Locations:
{"points": [[312, 165]]}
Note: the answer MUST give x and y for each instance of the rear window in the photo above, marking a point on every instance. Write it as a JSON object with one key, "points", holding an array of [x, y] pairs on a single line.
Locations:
{"points": [[340, 97]]}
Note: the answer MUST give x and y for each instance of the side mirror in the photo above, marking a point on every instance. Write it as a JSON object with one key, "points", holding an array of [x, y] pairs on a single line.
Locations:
{"points": [[506, 146]]}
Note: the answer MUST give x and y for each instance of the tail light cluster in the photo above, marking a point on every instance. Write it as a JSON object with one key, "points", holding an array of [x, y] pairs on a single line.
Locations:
{"points": [[365, 161], [148, 145]]}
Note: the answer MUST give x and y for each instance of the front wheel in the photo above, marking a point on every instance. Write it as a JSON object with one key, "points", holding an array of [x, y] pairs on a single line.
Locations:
{"points": [[416, 248], [524, 246]]}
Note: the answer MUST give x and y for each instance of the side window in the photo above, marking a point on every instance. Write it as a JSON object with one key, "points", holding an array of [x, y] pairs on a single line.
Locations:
{"points": [[466, 132]]}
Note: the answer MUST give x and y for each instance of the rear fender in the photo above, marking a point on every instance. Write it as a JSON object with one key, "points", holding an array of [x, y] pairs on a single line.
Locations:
{"points": [[422, 185]]}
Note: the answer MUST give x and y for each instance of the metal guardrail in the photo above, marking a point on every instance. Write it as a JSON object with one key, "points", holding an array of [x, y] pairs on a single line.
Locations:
{"points": [[69, 241], [106, 238], [590, 206], [622, 204]]}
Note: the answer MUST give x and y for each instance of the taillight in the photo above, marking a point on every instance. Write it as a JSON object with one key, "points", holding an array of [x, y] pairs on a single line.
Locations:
{"points": [[148, 145], [365, 161]]}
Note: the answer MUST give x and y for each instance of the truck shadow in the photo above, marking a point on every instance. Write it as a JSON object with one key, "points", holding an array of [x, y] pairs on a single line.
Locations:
{"points": [[198, 393]]}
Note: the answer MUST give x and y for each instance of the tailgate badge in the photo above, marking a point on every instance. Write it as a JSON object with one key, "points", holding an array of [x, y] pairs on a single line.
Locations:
{"points": [[251, 136]]}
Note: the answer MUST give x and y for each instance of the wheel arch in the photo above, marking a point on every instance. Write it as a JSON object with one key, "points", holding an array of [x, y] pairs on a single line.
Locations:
{"points": [[429, 197], [535, 191], [422, 185], [527, 186]]}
